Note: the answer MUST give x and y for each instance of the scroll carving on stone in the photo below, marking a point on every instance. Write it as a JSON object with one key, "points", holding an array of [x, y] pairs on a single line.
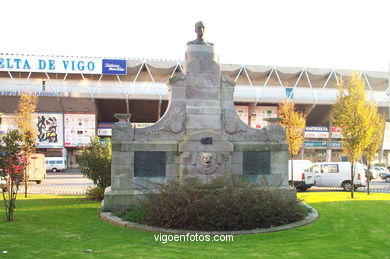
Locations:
{"points": [[176, 120], [229, 122], [174, 123], [206, 163]]}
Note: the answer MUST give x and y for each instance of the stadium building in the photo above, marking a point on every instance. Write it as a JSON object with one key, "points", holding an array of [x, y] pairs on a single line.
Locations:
{"points": [[78, 97]]}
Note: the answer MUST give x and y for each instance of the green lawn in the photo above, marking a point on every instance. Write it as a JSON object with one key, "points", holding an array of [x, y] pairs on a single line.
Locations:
{"points": [[61, 226]]}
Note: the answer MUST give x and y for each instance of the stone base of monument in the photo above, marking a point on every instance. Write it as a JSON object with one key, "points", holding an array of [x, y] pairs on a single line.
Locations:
{"points": [[114, 200]]}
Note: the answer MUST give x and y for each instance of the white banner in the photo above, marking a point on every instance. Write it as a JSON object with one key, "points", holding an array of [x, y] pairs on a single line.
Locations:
{"points": [[50, 130], [50, 64], [71, 65], [79, 128]]}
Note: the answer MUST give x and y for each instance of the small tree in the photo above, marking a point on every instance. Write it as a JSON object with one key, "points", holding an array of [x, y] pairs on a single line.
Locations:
{"points": [[12, 163], [95, 162], [377, 123], [26, 107], [294, 123], [351, 113]]}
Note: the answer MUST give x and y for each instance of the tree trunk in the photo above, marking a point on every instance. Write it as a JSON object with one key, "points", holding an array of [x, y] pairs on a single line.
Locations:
{"points": [[368, 178], [352, 176], [25, 181], [292, 170]]}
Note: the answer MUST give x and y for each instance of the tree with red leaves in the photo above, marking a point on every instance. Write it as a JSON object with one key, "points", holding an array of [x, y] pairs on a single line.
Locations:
{"points": [[12, 163]]}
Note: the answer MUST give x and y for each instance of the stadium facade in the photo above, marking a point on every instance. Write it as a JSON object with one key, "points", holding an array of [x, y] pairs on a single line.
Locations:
{"points": [[78, 97]]}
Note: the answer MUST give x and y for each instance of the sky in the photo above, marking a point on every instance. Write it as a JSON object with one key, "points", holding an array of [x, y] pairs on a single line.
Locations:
{"points": [[339, 34]]}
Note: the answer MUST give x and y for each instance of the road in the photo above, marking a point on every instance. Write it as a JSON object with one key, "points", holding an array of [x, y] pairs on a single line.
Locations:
{"points": [[74, 183], [67, 182], [376, 185]]}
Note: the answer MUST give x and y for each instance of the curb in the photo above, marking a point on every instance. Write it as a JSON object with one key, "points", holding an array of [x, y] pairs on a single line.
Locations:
{"points": [[310, 218]]}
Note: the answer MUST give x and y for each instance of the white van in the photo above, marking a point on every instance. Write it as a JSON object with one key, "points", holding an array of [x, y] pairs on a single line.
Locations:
{"points": [[55, 164], [36, 168], [302, 173], [338, 174]]}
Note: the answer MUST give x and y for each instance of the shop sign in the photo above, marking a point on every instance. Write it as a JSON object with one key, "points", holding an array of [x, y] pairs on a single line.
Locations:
{"points": [[316, 132], [315, 143], [336, 132], [322, 144], [336, 144]]}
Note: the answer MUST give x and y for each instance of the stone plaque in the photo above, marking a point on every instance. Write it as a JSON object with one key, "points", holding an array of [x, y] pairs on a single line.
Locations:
{"points": [[206, 141], [149, 164], [257, 163]]}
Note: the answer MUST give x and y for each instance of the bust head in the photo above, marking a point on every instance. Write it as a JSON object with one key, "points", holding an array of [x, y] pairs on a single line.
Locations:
{"points": [[199, 29]]}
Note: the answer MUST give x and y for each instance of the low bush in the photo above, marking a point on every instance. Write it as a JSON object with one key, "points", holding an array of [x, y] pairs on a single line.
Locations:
{"points": [[95, 193], [203, 207]]}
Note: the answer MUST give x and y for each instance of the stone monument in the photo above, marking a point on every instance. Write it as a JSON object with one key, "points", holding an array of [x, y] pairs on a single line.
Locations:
{"points": [[199, 137]]}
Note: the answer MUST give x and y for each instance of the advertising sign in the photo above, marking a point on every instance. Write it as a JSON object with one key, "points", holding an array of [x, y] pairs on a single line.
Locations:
{"points": [[335, 144], [242, 112], [289, 92], [72, 65], [316, 132], [79, 128], [138, 125], [50, 130], [104, 129], [102, 132], [336, 132], [386, 137], [259, 113], [114, 67], [322, 144], [315, 143]]}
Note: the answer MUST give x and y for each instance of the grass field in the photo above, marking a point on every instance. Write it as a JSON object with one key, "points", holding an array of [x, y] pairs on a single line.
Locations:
{"points": [[64, 227]]}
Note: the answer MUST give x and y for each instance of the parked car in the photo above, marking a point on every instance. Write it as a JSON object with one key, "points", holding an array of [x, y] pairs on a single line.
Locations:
{"points": [[302, 173], [338, 174], [385, 176], [55, 164], [3, 183], [378, 170]]}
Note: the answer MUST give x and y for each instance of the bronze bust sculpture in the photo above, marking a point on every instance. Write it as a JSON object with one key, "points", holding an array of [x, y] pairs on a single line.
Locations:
{"points": [[199, 29]]}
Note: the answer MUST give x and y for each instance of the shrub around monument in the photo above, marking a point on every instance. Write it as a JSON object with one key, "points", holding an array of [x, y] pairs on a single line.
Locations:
{"points": [[225, 208], [95, 193]]}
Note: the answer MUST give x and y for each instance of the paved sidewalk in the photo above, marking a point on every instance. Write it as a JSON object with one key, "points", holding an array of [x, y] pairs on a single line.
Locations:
{"points": [[60, 190], [68, 182]]}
